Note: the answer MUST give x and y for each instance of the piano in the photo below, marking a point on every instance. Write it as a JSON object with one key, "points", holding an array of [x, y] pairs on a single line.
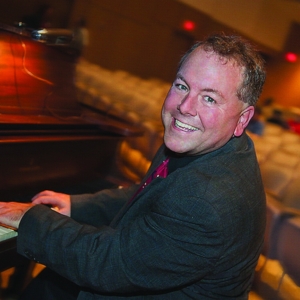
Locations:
{"points": [[48, 140]]}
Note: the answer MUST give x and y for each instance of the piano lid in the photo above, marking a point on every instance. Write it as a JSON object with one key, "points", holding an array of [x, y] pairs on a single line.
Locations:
{"points": [[37, 83]]}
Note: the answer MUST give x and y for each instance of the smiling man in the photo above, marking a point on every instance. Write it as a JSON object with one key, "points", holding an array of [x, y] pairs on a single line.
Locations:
{"points": [[202, 110], [193, 228]]}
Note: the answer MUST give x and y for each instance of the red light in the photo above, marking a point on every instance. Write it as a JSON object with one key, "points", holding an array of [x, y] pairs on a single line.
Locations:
{"points": [[189, 25], [291, 57]]}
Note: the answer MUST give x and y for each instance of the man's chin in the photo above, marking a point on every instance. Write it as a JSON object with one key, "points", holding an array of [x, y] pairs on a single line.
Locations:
{"points": [[175, 146]]}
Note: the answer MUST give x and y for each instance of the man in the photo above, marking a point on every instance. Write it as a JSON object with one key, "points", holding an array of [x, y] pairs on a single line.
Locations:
{"points": [[195, 234]]}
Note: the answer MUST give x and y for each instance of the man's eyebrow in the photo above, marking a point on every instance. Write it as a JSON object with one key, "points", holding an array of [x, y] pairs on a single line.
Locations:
{"points": [[179, 76]]}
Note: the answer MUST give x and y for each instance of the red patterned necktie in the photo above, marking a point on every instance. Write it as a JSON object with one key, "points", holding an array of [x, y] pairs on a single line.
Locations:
{"points": [[160, 171]]}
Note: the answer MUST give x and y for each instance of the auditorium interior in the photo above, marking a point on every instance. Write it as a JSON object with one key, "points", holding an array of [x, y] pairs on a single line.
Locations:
{"points": [[58, 104]]}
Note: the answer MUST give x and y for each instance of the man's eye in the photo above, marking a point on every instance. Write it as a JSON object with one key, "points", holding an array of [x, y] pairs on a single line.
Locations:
{"points": [[181, 87], [209, 99]]}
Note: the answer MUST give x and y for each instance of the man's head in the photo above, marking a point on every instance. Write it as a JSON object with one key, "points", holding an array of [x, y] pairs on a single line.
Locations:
{"points": [[212, 98], [241, 52]]}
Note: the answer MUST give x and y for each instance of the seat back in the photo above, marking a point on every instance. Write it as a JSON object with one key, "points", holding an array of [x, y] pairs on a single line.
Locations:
{"points": [[276, 177], [288, 247], [275, 213], [291, 197]]}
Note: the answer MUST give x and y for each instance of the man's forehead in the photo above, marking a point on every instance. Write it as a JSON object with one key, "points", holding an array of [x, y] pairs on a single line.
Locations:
{"points": [[211, 55], [210, 61]]}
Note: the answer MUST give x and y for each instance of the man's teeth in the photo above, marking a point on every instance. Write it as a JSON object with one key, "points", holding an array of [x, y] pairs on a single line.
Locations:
{"points": [[184, 126]]}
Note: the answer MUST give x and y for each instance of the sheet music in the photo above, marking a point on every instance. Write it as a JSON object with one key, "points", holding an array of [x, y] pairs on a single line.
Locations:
{"points": [[7, 232]]}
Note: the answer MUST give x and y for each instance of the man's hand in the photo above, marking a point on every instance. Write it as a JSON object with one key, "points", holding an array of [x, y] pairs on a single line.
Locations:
{"points": [[58, 201], [11, 213]]}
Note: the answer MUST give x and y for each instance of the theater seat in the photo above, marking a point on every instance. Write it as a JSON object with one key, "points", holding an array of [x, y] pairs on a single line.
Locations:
{"points": [[275, 213], [273, 280], [291, 197], [276, 177], [288, 248]]}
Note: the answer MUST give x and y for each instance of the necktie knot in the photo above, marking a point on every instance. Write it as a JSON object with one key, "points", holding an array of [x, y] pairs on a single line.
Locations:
{"points": [[160, 171]]}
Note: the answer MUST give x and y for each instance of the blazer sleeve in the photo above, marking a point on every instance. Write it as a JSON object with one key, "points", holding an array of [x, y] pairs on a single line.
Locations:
{"points": [[162, 249], [100, 208]]}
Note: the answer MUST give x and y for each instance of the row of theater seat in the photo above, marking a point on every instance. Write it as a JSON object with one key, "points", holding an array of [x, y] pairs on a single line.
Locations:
{"points": [[131, 98], [278, 153], [278, 272]]}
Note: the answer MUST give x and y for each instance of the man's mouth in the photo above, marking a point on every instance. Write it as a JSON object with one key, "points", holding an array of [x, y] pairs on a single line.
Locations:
{"points": [[184, 126]]}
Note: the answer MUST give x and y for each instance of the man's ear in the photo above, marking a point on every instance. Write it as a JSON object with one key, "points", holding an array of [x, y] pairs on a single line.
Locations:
{"points": [[244, 119]]}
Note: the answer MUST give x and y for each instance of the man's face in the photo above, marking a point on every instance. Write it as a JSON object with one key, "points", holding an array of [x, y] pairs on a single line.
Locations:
{"points": [[202, 111]]}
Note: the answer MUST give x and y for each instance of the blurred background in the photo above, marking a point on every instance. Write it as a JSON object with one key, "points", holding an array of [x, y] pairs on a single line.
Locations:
{"points": [[148, 37]]}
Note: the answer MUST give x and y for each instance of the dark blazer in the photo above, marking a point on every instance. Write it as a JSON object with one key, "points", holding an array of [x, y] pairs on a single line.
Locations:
{"points": [[196, 234]]}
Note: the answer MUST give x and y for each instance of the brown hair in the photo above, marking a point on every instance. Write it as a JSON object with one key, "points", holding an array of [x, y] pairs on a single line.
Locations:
{"points": [[235, 48]]}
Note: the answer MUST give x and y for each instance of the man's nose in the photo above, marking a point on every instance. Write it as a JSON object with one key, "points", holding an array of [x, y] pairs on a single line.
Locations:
{"points": [[188, 106]]}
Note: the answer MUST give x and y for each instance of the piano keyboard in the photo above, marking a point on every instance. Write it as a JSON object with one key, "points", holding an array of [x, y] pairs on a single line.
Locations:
{"points": [[7, 233]]}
